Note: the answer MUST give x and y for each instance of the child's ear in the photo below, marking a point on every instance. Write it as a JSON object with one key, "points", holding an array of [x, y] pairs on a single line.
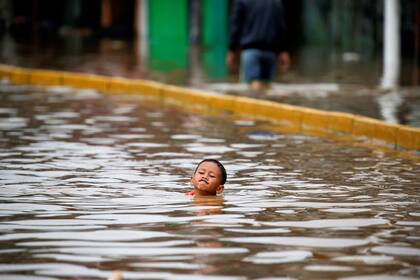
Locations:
{"points": [[220, 189]]}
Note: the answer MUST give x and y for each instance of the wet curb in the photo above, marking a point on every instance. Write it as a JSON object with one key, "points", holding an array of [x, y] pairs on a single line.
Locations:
{"points": [[295, 118]]}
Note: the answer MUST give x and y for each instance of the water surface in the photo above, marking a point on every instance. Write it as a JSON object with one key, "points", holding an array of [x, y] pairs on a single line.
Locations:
{"points": [[92, 183]]}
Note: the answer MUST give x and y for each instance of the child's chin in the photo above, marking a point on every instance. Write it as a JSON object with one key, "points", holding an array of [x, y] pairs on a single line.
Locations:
{"points": [[203, 186], [205, 189]]}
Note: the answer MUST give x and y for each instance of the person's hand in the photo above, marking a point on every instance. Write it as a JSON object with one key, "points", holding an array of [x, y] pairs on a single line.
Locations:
{"points": [[231, 61], [284, 61]]}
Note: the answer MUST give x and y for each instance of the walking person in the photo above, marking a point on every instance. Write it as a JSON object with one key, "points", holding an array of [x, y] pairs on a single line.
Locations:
{"points": [[258, 35]]}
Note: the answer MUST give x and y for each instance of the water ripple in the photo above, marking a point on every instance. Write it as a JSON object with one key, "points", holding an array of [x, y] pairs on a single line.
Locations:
{"points": [[92, 183]]}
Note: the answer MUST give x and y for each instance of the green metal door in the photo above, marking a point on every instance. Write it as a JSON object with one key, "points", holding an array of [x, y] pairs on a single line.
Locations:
{"points": [[168, 34], [214, 30]]}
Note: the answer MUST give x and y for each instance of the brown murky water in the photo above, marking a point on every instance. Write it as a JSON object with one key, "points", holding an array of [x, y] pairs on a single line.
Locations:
{"points": [[91, 183]]}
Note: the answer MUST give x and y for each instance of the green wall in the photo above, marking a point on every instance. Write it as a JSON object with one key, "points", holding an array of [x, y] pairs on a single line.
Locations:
{"points": [[168, 34], [214, 37]]}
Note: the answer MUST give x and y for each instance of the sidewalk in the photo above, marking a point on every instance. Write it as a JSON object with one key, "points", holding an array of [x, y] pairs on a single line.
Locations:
{"points": [[119, 59]]}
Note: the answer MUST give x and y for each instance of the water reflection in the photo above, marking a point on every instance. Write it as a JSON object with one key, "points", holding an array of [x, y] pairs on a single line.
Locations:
{"points": [[90, 184]]}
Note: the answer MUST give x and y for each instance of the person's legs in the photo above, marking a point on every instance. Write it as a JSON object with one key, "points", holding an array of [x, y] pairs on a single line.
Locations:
{"points": [[258, 68], [268, 66], [250, 66]]}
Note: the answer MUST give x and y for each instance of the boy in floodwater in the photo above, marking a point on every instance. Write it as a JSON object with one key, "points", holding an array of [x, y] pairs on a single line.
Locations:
{"points": [[208, 179]]}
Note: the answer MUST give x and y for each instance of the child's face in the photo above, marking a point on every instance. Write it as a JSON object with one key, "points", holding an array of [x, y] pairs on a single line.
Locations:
{"points": [[207, 179]]}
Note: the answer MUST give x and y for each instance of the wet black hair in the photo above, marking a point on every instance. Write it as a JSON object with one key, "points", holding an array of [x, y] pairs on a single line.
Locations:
{"points": [[221, 167]]}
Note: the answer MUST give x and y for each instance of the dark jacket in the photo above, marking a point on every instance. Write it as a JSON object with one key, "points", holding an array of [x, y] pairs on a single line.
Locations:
{"points": [[258, 24]]}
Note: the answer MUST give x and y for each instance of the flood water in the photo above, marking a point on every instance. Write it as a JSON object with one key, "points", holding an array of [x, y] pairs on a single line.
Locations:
{"points": [[318, 78], [91, 183]]}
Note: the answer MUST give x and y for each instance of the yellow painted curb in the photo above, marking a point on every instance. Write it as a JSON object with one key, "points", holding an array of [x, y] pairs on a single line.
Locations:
{"points": [[148, 88], [292, 118], [244, 105], [45, 78], [291, 115], [386, 134], [222, 104], [20, 76], [314, 121], [408, 138], [120, 86], [6, 71], [80, 80], [184, 96], [340, 123], [364, 127], [127, 86]]}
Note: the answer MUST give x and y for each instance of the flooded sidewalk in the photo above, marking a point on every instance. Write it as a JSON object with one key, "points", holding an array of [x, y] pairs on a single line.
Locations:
{"points": [[350, 88]]}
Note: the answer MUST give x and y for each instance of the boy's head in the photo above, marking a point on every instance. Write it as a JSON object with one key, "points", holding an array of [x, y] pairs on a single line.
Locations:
{"points": [[209, 177]]}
